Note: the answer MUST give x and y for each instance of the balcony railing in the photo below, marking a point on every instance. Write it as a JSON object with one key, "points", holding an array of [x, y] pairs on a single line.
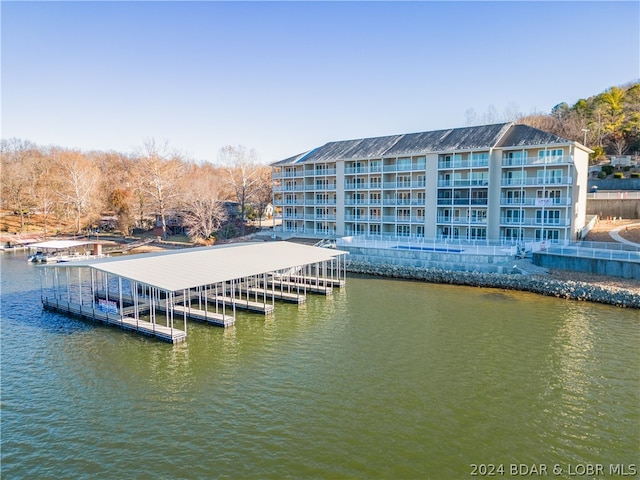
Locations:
{"points": [[537, 202], [461, 220], [405, 167], [462, 201], [296, 174], [321, 172], [363, 218], [473, 163], [549, 222], [536, 181], [403, 201], [463, 183], [357, 170], [362, 201], [320, 186], [526, 161], [316, 201], [361, 185], [289, 188]]}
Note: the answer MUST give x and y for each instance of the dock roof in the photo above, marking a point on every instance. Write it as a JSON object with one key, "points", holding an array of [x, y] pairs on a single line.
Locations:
{"points": [[60, 244], [189, 268]]}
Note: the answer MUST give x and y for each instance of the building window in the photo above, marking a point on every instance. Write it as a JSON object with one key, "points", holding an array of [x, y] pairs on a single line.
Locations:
{"points": [[549, 216], [403, 214], [515, 197], [374, 229], [547, 235], [479, 216], [404, 164], [547, 197], [553, 176], [403, 231], [477, 233], [513, 216], [513, 234]]}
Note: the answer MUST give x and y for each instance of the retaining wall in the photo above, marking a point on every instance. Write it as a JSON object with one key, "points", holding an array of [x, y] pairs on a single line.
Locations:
{"points": [[444, 260], [622, 208], [614, 268]]}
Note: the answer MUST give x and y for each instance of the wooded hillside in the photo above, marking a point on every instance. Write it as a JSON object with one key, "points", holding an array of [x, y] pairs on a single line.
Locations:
{"points": [[608, 123]]}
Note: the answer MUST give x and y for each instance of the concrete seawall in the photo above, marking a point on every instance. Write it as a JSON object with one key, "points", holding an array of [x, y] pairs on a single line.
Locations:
{"points": [[458, 261], [539, 284], [601, 266]]}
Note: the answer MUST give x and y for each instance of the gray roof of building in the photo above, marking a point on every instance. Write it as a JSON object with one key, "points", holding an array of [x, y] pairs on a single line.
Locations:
{"points": [[454, 139], [524, 135]]}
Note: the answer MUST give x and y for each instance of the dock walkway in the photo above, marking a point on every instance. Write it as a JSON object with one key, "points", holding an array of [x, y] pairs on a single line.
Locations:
{"points": [[204, 316], [288, 286], [168, 334], [275, 294]]}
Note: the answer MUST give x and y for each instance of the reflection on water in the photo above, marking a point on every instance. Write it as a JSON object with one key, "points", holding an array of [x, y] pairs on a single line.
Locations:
{"points": [[384, 379]]}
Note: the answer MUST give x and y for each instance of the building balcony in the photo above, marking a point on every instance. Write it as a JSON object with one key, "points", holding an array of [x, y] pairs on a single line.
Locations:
{"points": [[288, 188], [537, 161], [533, 181], [321, 172], [315, 201], [461, 220], [535, 222], [463, 183], [293, 216], [363, 218], [399, 185], [462, 201], [296, 174], [361, 186], [416, 166], [362, 201], [403, 201], [320, 187], [290, 202], [473, 163], [359, 170], [536, 202]]}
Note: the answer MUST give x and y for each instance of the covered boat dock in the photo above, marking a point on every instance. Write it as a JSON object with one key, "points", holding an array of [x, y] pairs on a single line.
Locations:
{"points": [[155, 293]]}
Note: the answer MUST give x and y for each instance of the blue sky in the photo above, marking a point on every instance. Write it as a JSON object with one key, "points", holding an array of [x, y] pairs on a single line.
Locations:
{"points": [[285, 77]]}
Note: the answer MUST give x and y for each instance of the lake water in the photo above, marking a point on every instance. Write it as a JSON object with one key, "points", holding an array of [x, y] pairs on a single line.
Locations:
{"points": [[385, 379]]}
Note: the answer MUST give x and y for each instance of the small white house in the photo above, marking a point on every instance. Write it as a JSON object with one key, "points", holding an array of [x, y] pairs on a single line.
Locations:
{"points": [[621, 160]]}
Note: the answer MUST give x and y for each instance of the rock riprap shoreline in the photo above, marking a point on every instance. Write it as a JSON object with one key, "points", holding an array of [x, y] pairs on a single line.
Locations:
{"points": [[535, 283]]}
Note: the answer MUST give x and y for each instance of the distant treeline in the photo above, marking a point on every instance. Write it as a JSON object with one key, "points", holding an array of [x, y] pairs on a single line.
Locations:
{"points": [[69, 190]]}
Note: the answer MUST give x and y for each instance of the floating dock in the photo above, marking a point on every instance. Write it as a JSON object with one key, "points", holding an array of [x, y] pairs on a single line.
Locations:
{"points": [[156, 293]]}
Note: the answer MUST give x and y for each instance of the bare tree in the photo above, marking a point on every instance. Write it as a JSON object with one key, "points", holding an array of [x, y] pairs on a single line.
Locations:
{"points": [[263, 192], [45, 186], [243, 174], [79, 179], [161, 171], [19, 159], [203, 206]]}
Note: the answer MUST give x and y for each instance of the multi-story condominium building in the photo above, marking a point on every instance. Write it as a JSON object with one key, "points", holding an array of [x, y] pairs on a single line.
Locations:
{"points": [[500, 182]]}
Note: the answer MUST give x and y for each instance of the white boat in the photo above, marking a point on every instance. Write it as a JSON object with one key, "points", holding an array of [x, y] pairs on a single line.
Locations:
{"points": [[64, 251]]}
